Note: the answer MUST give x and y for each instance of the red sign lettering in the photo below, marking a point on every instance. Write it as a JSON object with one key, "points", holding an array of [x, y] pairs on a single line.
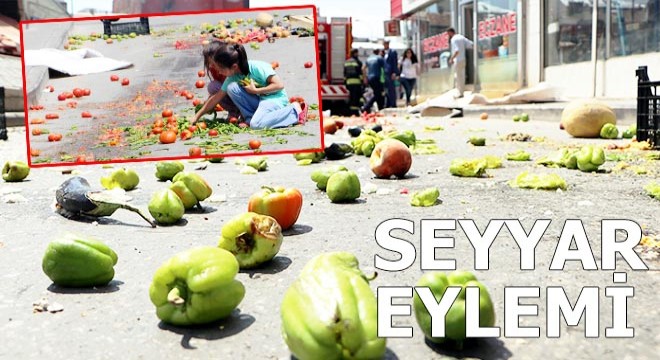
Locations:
{"points": [[435, 43], [497, 26]]}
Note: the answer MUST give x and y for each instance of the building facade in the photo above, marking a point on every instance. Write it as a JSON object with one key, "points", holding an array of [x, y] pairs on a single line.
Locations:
{"points": [[520, 43], [160, 6]]}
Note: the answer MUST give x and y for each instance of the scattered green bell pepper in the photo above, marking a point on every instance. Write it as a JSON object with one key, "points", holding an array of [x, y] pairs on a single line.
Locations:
{"points": [[520, 155], [543, 182], [477, 141], [321, 176], [590, 158], [126, 179], [407, 137], [425, 198], [438, 283], [166, 170], [468, 167], [630, 132], [330, 312], [15, 171], [74, 261], [196, 287], [609, 131], [259, 164]]}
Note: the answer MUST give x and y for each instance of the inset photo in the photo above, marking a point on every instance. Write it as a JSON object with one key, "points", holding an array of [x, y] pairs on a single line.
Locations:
{"points": [[161, 86]]}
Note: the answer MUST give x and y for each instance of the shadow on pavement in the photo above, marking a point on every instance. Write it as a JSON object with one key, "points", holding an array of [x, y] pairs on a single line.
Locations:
{"points": [[221, 329], [107, 221], [297, 229], [181, 222], [275, 266], [204, 210], [110, 288], [484, 349]]}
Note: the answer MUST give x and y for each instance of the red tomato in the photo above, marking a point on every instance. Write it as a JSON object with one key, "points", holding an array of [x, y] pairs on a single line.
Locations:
{"points": [[167, 137], [52, 116], [192, 128], [77, 92], [213, 132], [68, 95], [196, 102], [87, 92], [114, 78], [186, 134], [254, 144], [34, 152], [157, 130], [81, 158], [189, 96], [86, 114], [50, 88], [54, 137], [233, 120], [167, 113], [308, 65], [159, 123], [201, 73], [199, 84], [125, 82], [201, 125], [36, 132], [61, 97], [195, 151]]}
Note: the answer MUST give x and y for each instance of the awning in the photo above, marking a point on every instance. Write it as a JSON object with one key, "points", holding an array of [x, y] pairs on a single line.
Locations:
{"points": [[10, 37]]}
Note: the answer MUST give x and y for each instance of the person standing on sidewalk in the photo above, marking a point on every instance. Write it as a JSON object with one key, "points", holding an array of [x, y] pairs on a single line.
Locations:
{"points": [[459, 44], [391, 73], [409, 69], [374, 68], [353, 81]]}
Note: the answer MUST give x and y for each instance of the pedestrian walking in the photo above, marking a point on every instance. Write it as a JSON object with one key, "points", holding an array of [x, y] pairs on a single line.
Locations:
{"points": [[391, 73], [409, 68], [217, 79], [353, 80], [374, 69], [255, 88], [459, 44]]}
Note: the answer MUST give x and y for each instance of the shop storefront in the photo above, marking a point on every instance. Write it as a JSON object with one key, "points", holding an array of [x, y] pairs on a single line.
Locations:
{"points": [[520, 43], [497, 65]]}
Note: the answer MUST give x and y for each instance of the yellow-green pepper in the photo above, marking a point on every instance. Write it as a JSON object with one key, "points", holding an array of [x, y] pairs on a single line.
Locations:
{"points": [[197, 287]]}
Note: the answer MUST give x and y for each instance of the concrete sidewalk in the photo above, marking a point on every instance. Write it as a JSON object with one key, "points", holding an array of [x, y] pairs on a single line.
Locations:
{"points": [[625, 109]]}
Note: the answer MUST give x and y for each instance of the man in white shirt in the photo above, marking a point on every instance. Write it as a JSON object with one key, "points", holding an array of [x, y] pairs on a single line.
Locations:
{"points": [[459, 44]]}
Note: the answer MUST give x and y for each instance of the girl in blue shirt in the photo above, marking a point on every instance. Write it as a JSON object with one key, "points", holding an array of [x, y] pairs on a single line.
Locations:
{"points": [[263, 102]]}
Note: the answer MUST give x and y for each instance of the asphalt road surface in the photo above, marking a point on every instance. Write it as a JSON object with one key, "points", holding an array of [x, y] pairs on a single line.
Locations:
{"points": [[159, 71], [119, 321]]}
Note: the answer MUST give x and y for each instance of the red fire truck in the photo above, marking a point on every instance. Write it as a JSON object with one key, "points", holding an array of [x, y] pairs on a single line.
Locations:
{"points": [[335, 41]]}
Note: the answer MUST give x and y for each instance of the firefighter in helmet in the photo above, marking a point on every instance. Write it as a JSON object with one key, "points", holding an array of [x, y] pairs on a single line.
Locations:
{"points": [[353, 81]]}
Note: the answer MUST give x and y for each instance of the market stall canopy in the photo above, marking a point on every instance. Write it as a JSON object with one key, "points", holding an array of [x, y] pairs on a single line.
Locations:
{"points": [[10, 37]]}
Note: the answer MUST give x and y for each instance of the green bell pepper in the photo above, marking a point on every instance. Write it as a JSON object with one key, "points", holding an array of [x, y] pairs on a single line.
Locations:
{"points": [[630, 132], [330, 311], [477, 141], [590, 158], [609, 131], [15, 171], [438, 283], [407, 137], [468, 167], [425, 198], [540, 182], [74, 261], [321, 176], [520, 155], [259, 164], [197, 287]]}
